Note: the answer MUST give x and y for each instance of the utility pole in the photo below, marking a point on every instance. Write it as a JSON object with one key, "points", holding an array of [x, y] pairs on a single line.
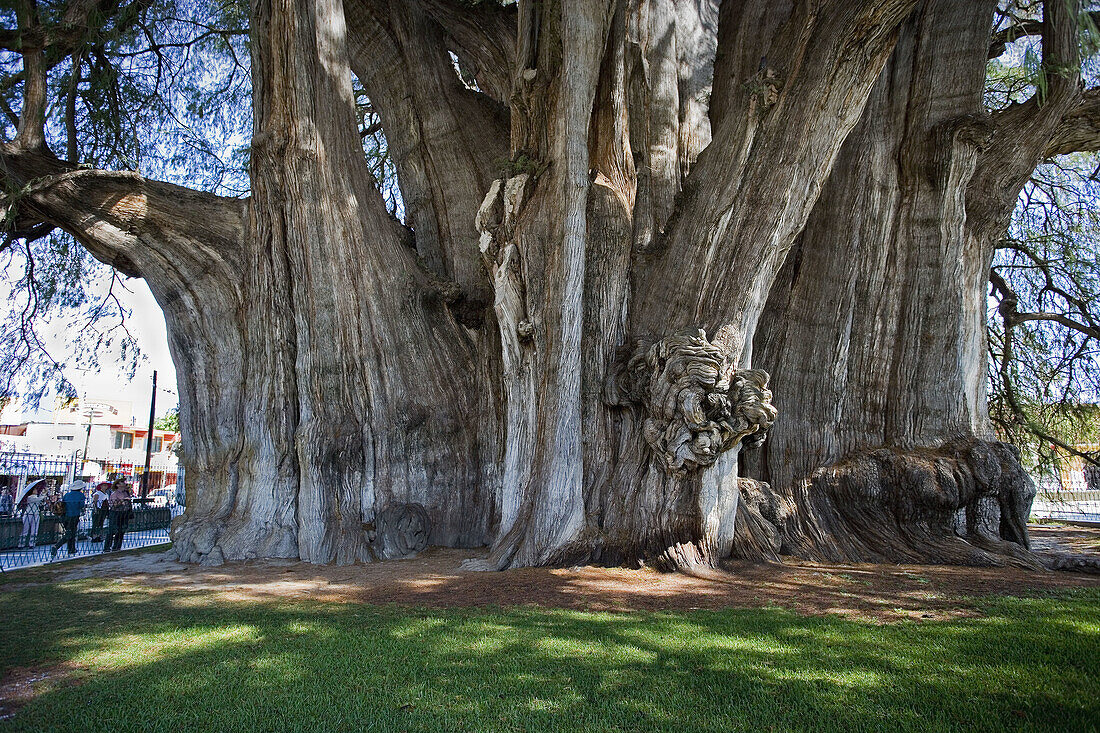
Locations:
{"points": [[88, 436], [149, 440]]}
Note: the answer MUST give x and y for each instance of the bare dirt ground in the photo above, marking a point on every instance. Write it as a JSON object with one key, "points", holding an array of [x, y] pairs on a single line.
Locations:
{"points": [[874, 592], [1065, 538]]}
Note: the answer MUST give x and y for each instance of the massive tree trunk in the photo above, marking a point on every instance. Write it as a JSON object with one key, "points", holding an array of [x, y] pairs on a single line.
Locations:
{"points": [[875, 330], [555, 356], [326, 386], [622, 447], [359, 379]]}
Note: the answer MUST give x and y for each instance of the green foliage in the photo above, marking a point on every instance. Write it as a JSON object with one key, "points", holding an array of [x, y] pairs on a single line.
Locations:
{"points": [[160, 87], [1044, 350], [183, 660], [522, 163], [1019, 73], [169, 421]]}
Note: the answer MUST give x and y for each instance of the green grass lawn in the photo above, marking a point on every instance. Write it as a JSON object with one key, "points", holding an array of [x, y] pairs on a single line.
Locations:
{"points": [[165, 661]]}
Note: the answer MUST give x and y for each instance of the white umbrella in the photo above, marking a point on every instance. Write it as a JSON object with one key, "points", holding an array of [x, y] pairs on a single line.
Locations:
{"points": [[26, 490]]}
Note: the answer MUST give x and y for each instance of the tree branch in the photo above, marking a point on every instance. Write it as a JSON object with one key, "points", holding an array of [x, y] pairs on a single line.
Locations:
{"points": [[1007, 307], [72, 145], [1057, 318], [1021, 133], [32, 118], [134, 224], [1080, 127], [999, 41], [65, 35], [791, 94], [1044, 266], [444, 139]]}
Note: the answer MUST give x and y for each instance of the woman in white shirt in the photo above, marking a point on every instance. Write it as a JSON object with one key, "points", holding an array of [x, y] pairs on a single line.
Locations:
{"points": [[99, 511], [32, 515]]}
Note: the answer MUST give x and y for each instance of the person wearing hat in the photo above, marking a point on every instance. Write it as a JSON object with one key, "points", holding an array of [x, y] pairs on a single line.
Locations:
{"points": [[31, 505], [99, 509], [120, 511], [74, 507]]}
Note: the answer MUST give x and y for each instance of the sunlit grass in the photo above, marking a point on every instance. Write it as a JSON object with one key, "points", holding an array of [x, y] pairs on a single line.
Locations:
{"points": [[175, 661]]}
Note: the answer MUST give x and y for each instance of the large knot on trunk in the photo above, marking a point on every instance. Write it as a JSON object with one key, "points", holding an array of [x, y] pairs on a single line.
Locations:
{"points": [[697, 405]]}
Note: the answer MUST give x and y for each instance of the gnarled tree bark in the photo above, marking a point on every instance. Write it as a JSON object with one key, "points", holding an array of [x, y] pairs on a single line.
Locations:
{"points": [[875, 330], [564, 348]]}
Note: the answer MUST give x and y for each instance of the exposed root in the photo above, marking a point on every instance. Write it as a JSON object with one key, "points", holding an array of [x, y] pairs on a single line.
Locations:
{"points": [[963, 503]]}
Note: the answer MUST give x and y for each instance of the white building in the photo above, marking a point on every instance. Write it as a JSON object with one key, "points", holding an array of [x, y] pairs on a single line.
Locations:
{"points": [[103, 433]]}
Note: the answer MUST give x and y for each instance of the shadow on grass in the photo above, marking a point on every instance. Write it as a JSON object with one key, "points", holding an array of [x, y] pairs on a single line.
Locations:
{"points": [[173, 661]]}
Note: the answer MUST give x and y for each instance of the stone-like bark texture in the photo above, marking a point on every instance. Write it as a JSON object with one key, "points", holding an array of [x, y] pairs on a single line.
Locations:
{"points": [[620, 477], [359, 381], [875, 330]]}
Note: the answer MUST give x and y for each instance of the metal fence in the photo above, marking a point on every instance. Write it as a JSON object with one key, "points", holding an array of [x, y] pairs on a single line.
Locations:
{"points": [[1066, 505], [18, 469], [30, 540]]}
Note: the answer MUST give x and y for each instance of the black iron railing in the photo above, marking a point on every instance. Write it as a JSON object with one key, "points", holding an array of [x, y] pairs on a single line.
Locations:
{"points": [[26, 540]]}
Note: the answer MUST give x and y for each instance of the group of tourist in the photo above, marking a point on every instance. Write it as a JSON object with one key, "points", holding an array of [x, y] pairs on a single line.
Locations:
{"points": [[111, 502]]}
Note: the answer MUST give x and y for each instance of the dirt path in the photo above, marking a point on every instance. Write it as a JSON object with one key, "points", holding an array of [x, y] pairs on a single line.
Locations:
{"points": [[435, 579]]}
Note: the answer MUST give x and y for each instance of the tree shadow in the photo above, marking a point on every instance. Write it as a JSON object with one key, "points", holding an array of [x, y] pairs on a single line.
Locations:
{"points": [[172, 660]]}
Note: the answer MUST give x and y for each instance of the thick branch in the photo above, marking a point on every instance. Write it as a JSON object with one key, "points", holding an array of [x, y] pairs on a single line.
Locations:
{"points": [[1080, 128], [65, 35], [125, 220], [1022, 133], [445, 140], [779, 126], [32, 118]]}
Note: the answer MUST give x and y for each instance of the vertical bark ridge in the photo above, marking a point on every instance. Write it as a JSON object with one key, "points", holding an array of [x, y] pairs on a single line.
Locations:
{"points": [[885, 451], [666, 58], [551, 503], [447, 142], [380, 369]]}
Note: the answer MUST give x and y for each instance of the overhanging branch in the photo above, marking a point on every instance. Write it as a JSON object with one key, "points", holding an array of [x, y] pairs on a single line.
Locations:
{"points": [[122, 218]]}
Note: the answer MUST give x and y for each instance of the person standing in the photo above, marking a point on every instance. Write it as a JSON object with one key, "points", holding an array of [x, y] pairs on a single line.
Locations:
{"points": [[99, 509], [7, 504], [74, 508], [120, 509], [32, 515]]}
